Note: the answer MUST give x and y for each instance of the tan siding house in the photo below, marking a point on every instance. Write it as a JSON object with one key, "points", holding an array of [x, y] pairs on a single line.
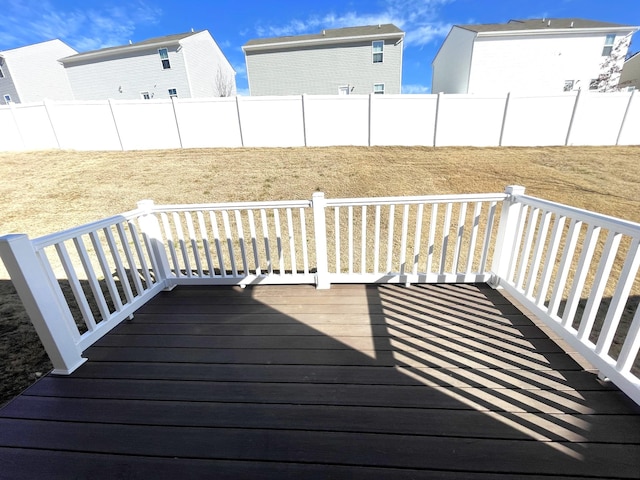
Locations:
{"points": [[358, 60]]}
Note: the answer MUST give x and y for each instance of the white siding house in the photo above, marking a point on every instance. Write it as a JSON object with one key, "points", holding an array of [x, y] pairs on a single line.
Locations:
{"points": [[359, 60], [33, 73], [186, 65], [538, 56]]}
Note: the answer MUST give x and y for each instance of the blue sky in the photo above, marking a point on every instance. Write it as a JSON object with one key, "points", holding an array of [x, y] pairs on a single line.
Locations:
{"points": [[92, 24]]}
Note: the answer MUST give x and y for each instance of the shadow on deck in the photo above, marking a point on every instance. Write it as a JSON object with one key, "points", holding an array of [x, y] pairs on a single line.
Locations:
{"points": [[430, 381]]}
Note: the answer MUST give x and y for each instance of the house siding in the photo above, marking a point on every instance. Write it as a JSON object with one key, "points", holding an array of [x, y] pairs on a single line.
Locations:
{"points": [[453, 76], [493, 62], [533, 63], [33, 73], [322, 70], [125, 76], [631, 72], [203, 60], [7, 87]]}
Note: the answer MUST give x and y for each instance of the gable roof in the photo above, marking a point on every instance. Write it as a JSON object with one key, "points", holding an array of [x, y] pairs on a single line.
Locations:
{"points": [[335, 35], [19, 51], [132, 47], [540, 24]]}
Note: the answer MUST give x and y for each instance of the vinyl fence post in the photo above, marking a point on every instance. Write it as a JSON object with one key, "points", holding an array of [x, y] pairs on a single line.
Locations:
{"points": [[150, 227], [318, 204], [239, 121], [435, 123], [44, 302], [370, 117], [504, 118], [115, 124], [506, 237], [304, 119], [573, 116], [46, 103], [624, 117], [175, 117]]}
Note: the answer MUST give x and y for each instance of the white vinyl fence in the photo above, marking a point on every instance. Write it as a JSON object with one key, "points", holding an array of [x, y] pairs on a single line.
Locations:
{"points": [[573, 118]]}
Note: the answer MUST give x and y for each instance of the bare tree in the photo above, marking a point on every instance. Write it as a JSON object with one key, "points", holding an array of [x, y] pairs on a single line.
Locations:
{"points": [[223, 84], [611, 67]]}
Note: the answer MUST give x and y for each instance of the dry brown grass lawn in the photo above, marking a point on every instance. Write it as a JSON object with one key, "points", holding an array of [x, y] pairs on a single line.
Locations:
{"points": [[48, 191], [43, 192]]}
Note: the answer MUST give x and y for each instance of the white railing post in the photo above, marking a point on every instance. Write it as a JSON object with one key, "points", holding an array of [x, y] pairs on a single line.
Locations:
{"points": [[43, 301], [151, 229], [318, 204], [506, 237]]}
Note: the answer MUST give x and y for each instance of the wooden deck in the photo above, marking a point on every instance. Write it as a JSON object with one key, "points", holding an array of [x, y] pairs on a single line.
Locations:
{"points": [[371, 382]]}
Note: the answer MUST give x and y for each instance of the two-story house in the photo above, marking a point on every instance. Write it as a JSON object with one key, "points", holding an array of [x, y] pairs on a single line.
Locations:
{"points": [[186, 65], [33, 73], [533, 56], [359, 60]]}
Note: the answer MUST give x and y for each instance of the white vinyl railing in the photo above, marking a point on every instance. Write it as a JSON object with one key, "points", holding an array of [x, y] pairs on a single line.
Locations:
{"points": [[78, 284], [576, 270]]}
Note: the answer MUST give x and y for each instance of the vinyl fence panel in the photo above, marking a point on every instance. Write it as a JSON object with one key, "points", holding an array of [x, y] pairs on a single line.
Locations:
{"points": [[406, 120], [208, 122], [271, 121]]}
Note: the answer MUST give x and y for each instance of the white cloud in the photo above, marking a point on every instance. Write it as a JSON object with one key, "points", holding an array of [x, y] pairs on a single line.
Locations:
{"points": [[32, 21], [427, 33], [240, 68], [416, 89]]}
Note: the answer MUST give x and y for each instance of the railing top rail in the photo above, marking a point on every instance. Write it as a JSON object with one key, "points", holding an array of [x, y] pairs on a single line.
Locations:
{"points": [[473, 197], [57, 237], [231, 206], [612, 223]]}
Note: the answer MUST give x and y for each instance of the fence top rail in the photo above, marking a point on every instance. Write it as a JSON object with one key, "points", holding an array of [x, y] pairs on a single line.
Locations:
{"points": [[58, 237], [612, 223], [231, 206], [455, 198]]}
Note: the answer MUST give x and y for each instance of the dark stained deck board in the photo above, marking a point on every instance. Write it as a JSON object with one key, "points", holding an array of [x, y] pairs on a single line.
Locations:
{"points": [[433, 381]]}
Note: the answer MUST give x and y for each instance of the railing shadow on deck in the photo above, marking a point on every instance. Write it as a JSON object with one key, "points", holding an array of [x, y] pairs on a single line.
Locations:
{"points": [[449, 380], [492, 359]]}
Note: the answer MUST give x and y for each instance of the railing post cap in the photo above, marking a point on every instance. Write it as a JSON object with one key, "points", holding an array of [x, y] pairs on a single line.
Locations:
{"points": [[318, 195], [514, 190], [12, 237], [145, 203]]}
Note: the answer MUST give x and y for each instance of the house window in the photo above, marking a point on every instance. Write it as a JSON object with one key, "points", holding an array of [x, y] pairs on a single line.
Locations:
{"points": [[164, 57], [608, 45], [378, 88], [173, 92], [568, 85], [145, 95], [7, 99], [377, 48]]}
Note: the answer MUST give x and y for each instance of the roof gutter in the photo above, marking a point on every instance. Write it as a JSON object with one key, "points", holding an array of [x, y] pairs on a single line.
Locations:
{"points": [[319, 41], [109, 51], [554, 31]]}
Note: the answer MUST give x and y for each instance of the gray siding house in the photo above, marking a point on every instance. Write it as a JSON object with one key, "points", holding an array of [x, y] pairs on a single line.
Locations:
{"points": [[185, 65], [33, 73], [630, 78], [358, 60]]}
